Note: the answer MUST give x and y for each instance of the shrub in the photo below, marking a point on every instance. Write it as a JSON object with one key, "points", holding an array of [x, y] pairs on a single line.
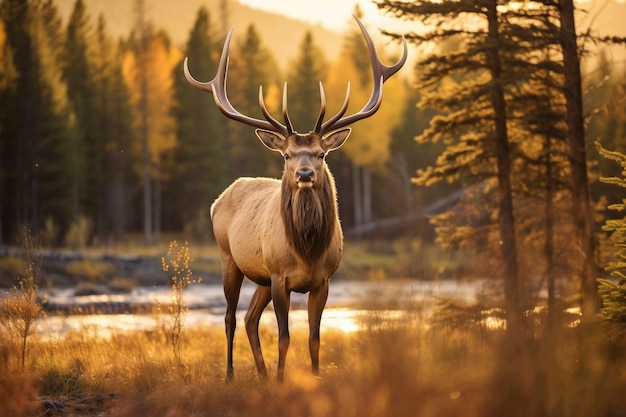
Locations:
{"points": [[78, 234], [90, 270], [10, 268]]}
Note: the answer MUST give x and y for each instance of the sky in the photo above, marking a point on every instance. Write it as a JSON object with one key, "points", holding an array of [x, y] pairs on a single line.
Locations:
{"points": [[332, 14]]}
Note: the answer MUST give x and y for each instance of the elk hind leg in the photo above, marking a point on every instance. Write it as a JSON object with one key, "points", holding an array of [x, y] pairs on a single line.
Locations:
{"points": [[260, 299], [232, 279]]}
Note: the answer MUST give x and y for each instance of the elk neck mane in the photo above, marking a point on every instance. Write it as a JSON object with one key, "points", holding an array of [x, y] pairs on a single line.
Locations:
{"points": [[310, 217]]}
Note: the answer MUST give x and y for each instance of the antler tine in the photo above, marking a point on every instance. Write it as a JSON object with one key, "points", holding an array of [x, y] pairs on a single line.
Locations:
{"points": [[285, 112], [320, 118], [330, 122], [268, 116], [217, 86], [380, 72], [198, 84]]}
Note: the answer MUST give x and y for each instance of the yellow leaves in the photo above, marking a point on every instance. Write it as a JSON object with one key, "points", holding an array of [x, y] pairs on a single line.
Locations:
{"points": [[149, 79], [177, 261]]}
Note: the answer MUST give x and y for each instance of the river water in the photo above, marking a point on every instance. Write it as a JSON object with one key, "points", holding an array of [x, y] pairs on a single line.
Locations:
{"points": [[350, 304]]}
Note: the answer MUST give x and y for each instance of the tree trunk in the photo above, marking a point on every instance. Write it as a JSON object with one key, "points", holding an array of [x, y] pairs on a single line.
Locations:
{"points": [[147, 184], [142, 61], [367, 195], [549, 242], [505, 203], [157, 204], [356, 195], [578, 157]]}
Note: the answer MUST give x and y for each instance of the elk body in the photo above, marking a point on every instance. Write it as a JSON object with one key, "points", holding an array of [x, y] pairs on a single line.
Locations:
{"points": [[285, 234]]}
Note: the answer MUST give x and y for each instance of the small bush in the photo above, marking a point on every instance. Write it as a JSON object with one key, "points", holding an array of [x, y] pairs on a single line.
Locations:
{"points": [[78, 235], [11, 267], [90, 270], [49, 233], [123, 285], [88, 288]]}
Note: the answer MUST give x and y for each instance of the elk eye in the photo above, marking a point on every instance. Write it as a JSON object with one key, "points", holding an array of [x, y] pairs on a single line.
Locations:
{"points": [[287, 157], [322, 155]]}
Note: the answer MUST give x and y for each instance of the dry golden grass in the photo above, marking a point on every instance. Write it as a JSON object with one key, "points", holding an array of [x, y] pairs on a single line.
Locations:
{"points": [[393, 369]]}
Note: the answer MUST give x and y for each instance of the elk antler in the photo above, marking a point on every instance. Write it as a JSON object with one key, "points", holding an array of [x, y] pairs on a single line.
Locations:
{"points": [[381, 73], [217, 86]]}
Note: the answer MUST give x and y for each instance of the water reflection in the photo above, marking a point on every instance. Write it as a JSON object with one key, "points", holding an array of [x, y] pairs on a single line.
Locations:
{"points": [[351, 306]]}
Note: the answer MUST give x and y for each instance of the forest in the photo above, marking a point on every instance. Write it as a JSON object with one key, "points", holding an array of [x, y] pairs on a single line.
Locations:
{"points": [[103, 137], [486, 145], [504, 146]]}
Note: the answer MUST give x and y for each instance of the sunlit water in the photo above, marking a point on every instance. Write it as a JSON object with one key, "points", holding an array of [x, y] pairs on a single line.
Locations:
{"points": [[351, 306]]}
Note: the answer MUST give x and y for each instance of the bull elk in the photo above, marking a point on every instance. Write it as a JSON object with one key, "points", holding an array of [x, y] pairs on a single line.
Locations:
{"points": [[284, 235]]}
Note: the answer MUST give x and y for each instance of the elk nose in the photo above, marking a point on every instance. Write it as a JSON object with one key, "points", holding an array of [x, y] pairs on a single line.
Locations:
{"points": [[305, 175]]}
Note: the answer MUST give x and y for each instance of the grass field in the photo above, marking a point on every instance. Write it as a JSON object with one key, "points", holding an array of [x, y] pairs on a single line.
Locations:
{"points": [[387, 369]]}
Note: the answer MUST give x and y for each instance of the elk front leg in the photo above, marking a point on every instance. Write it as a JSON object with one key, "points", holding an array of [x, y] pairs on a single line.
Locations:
{"points": [[281, 299], [232, 279], [317, 302], [261, 298]]}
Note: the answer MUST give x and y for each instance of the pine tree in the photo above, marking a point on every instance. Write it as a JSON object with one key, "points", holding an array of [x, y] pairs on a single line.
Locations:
{"points": [[253, 66], [572, 87], [201, 158], [114, 127], [474, 125], [87, 182], [37, 142], [513, 104], [305, 73], [8, 77]]}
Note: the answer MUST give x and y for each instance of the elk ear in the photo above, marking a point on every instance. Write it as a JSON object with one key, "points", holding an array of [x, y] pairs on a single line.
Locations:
{"points": [[335, 139], [272, 140]]}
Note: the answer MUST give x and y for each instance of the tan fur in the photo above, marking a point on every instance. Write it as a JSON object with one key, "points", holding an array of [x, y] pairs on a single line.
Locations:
{"points": [[250, 227]]}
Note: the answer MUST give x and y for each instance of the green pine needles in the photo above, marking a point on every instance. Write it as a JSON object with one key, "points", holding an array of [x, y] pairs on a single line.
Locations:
{"points": [[614, 293]]}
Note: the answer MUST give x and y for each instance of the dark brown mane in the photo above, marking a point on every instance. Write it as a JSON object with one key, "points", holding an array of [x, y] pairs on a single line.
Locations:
{"points": [[309, 216]]}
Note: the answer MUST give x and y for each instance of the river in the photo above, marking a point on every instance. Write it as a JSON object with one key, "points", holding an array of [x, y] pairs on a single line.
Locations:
{"points": [[349, 305]]}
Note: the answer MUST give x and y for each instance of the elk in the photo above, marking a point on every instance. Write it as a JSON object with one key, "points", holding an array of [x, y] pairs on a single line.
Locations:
{"points": [[285, 234]]}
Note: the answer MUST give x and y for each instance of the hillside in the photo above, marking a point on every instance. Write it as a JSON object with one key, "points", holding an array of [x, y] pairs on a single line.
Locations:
{"points": [[281, 34]]}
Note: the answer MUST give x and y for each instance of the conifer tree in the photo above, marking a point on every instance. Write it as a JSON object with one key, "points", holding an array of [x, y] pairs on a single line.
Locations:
{"points": [[114, 126], [518, 119], [8, 77], [572, 87], [474, 124], [308, 69], [37, 138], [88, 182], [201, 157], [253, 66]]}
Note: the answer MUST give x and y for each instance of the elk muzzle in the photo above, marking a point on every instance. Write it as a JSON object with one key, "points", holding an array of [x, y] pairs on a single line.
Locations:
{"points": [[304, 178]]}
